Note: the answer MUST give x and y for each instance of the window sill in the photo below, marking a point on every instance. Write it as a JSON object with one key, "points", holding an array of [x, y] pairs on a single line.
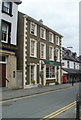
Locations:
{"points": [[33, 56], [7, 13], [33, 34], [43, 38]]}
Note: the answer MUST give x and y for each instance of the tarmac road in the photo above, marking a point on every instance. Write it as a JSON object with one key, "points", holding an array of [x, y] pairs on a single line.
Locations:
{"points": [[42, 105]]}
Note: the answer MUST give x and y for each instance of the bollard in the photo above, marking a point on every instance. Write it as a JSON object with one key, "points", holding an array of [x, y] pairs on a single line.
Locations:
{"points": [[77, 110]]}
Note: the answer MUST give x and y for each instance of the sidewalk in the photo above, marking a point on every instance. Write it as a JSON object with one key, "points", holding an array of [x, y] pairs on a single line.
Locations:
{"points": [[9, 94]]}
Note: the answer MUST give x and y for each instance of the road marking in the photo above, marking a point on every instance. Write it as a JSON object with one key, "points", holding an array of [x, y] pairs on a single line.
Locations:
{"points": [[52, 115], [20, 98]]}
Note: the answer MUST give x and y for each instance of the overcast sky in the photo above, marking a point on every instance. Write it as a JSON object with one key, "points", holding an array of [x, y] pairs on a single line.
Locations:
{"points": [[60, 15]]}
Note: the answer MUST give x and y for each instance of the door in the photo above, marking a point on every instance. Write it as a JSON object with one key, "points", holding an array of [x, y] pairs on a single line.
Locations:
{"points": [[2, 75]]}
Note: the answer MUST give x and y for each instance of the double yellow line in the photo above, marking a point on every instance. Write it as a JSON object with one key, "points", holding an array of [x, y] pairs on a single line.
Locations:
{"points": [[52, 115]]}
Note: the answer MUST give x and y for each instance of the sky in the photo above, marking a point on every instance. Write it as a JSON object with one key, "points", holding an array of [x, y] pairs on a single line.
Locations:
{"points": [[60, 15]]}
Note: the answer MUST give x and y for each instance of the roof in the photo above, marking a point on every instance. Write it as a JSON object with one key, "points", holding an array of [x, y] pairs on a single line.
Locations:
{"points": [[42, 25], [72, 71], [69, 55], [15, 1]]}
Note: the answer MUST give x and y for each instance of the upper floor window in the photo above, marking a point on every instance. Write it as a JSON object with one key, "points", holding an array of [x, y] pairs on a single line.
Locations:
{"points": [[57, 40], [51, 37], [6, 29], [57, 54], [42, 51], [74, 66], [33, 28], [51, 53], [7, 7], [33, 48], [42, 33], [67, 64]]}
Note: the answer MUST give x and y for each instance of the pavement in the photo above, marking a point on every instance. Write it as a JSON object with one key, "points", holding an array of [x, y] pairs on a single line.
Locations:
{"points": [[16, 93]]}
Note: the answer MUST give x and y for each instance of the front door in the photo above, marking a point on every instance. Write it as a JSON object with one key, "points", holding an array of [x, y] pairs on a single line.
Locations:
{"points": [[2, 75]]}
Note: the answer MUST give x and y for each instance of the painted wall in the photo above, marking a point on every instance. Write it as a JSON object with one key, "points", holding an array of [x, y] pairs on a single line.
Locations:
{"points": [[12, 20]]}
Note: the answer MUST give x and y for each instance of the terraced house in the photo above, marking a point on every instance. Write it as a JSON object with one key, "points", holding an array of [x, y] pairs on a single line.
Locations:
{"points": [[8, 42], [39, 52]]}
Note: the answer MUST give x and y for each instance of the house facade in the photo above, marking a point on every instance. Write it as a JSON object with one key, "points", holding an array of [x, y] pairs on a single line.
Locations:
{"points": [[8, 42], [70, 66], [39, 52]]}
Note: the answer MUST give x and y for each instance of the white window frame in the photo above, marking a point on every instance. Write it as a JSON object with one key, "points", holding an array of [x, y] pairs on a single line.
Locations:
{"points": [[7, 26], [35, 72], [52, 40], [51, 72], [44, 57], [57, 40], [35, 49], [52, 53], [35, 31], [44, 35], [58, 57]]}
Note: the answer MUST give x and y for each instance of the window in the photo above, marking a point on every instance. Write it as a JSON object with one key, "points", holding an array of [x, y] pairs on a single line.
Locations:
{"points": [[33, 48], [42, 33], [57, 40], [32, 72], [57, 54], [67, 64], [6, 29], [74, 65], [7, 7], [50, 37], [42, 51], [33, 28], [2, 59], [50, 71], [51, 53]]}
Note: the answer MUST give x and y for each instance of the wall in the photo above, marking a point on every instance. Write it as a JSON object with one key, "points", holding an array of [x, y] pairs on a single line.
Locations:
{"points": [[12, 20]]}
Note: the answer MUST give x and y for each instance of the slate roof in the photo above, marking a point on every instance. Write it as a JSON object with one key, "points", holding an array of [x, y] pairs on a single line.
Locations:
{"points": [[72, 71], [69, 55]]}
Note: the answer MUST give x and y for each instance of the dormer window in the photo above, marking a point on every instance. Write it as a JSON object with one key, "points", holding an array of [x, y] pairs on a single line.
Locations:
{"points": [[7, 7]]}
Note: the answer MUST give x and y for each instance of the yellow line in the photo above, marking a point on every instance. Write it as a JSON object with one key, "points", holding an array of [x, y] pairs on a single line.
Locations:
{"points": [[15, 99], [62, 111], [58, 111]]}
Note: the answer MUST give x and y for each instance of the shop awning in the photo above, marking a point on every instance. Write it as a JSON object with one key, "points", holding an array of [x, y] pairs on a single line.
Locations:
{"points": [[72, 71]]}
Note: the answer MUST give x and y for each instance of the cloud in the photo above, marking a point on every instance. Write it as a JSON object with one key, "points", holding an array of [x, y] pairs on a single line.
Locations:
{"points": [[60, 15]]}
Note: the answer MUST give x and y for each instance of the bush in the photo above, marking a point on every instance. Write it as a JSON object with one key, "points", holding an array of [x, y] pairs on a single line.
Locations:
{"points": [[33, 82]]}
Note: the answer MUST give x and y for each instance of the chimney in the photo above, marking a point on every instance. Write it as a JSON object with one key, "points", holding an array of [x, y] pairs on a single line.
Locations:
{"points": [[41, 21]]}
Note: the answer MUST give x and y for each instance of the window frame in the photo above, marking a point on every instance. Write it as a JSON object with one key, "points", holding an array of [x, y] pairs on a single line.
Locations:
{"points": [[10, 8], [44, 35], [8, 31], [50, 72], [44, 56], [35, 31], [52, 53], [35, 49], [57, 42], [52, 41]]}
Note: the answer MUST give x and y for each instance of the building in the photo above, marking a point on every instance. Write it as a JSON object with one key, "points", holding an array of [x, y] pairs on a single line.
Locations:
{"points": [[70, 66], [39, 52], [8, 42]]}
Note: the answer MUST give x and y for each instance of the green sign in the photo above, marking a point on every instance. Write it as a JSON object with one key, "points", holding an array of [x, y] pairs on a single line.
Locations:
{"points": [[52, 63]]}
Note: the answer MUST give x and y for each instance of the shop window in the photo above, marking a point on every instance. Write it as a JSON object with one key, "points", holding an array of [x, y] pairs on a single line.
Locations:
{"points": [[50, 71]]}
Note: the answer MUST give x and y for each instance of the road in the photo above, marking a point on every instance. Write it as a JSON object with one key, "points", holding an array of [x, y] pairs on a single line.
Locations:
{"points": [[54, 104]]}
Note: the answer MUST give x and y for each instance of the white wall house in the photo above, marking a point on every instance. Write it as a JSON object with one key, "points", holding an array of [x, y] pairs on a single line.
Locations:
{"points": [[70, 66], [8, 42]]}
